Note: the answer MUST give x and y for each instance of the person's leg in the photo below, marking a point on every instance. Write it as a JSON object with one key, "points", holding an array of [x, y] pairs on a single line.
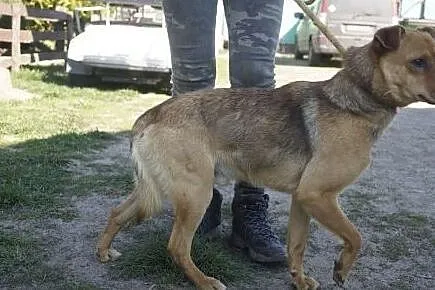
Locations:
{"points": [[191, 31], [253, 29]]}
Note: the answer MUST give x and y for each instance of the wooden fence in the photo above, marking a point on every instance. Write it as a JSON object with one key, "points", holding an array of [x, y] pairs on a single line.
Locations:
{"points": [[61, 34]]}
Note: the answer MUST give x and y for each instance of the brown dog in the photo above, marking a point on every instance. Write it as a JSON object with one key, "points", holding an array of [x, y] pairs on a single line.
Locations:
{"points": [[310, 139]]}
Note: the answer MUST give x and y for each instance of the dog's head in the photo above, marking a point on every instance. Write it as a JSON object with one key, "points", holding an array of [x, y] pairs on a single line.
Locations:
{"points": [[404, 65]]}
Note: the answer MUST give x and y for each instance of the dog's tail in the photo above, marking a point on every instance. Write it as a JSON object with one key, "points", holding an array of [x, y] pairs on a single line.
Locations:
{"points": [[149, 188]]}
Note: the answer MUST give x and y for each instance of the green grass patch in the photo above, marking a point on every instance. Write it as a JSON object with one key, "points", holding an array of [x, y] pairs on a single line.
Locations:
{"points": [[148, 258], [119, 184], [395, 247], [34, 173], [21, 261], [403, 229]]}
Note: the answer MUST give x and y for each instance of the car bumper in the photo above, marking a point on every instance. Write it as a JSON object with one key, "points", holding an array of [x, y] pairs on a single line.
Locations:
{"points": [[88, 66], [119, 73], [323, 46]]}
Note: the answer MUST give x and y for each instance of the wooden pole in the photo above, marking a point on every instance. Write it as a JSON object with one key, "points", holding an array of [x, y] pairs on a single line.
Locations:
{"points": [[16, 27], [422, 9]]}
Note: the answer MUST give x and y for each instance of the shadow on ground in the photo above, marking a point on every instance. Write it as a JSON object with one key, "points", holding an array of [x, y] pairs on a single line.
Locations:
{"points": [[55, 74]]}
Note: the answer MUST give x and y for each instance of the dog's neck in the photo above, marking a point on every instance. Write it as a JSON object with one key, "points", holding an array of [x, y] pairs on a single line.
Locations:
{"points": [[351, 88]]}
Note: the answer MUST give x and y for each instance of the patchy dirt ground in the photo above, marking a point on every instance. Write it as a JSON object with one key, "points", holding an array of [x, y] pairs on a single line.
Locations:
{"points": [[393, 204]]}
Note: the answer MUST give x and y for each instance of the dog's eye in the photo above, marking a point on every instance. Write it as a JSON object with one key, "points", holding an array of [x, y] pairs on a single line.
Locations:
{"points": [[419, 63]]}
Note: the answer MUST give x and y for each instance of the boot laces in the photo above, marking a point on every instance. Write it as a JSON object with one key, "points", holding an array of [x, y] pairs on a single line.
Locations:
{"points": [[257, 221]]}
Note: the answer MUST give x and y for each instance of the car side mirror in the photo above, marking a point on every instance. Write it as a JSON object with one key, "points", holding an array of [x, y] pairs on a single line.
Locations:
{"points": [[299, 15]]}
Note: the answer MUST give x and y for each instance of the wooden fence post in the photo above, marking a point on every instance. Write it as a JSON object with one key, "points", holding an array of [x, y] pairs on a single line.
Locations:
{"points": [[16, 29], [70, 34], [59, 27]]}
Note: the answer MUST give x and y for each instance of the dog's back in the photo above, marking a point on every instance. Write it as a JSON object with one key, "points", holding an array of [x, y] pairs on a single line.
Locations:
{"points": [[250, 131]]}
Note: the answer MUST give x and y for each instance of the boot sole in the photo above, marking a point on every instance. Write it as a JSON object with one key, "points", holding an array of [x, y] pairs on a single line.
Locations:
{"points": [[237, 242]]}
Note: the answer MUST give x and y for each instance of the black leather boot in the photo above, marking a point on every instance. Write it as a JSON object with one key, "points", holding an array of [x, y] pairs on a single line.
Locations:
{"points": [[251, 228], [212, 216]]}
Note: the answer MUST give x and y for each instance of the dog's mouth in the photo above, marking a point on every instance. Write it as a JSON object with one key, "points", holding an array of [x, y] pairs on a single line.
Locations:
{"points": [[426, 99]]}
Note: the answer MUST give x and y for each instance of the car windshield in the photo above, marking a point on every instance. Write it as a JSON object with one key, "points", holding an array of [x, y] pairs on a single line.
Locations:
{"points": [[361, 8], [146, 15], [136, 15]]}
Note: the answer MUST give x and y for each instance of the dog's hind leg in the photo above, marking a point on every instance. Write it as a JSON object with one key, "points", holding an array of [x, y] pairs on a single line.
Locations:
{"points": [[120, 216], [141, 203], [190, 199]]}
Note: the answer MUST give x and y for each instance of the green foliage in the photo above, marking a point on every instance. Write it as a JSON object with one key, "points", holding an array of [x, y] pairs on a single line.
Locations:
{"points": [[42, 25], [53, 4]]}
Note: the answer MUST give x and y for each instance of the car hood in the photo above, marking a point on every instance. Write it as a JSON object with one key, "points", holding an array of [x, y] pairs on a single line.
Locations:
{"points": [[132, 46]]}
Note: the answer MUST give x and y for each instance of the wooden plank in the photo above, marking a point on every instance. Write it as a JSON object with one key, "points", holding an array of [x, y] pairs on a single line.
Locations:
{"points": [[5, 61], [45, 14], [33, 36], [27, 36], [40, 56], [30, 12], [5, 9], [5, 35]]}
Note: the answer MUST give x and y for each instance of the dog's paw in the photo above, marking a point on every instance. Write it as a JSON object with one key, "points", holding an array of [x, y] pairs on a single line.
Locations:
{"points": [[212, 284], [337, 276], [107, 255], [309, 284], [114, 254]]}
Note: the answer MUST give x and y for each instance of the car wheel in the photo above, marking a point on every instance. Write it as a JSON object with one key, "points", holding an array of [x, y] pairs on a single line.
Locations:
{"points": [[314, 59], [298, 53], [77, 80]]}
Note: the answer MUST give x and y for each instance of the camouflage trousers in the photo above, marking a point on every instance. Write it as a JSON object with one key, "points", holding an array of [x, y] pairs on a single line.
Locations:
{"points": [[253, 32]]}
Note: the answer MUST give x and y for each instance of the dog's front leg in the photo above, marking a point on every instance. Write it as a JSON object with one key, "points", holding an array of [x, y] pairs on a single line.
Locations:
{"points": [[323, 178], [299, 222], [323, 206]]}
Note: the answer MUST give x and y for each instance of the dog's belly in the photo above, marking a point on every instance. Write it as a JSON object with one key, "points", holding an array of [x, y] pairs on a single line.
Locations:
{"points": [[281, 175]]}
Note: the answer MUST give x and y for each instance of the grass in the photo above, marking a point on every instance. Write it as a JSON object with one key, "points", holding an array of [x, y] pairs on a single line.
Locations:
{"points": [[22, 261], [404, 228], [147, 257], [34, 173]]}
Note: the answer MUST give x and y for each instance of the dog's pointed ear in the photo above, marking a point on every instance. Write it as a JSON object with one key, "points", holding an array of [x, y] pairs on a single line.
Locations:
{"points": [[429, 30], [388, 39]]}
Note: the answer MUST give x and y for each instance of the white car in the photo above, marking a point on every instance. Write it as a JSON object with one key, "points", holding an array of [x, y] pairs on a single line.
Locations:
{"points": [[125, 41]]}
